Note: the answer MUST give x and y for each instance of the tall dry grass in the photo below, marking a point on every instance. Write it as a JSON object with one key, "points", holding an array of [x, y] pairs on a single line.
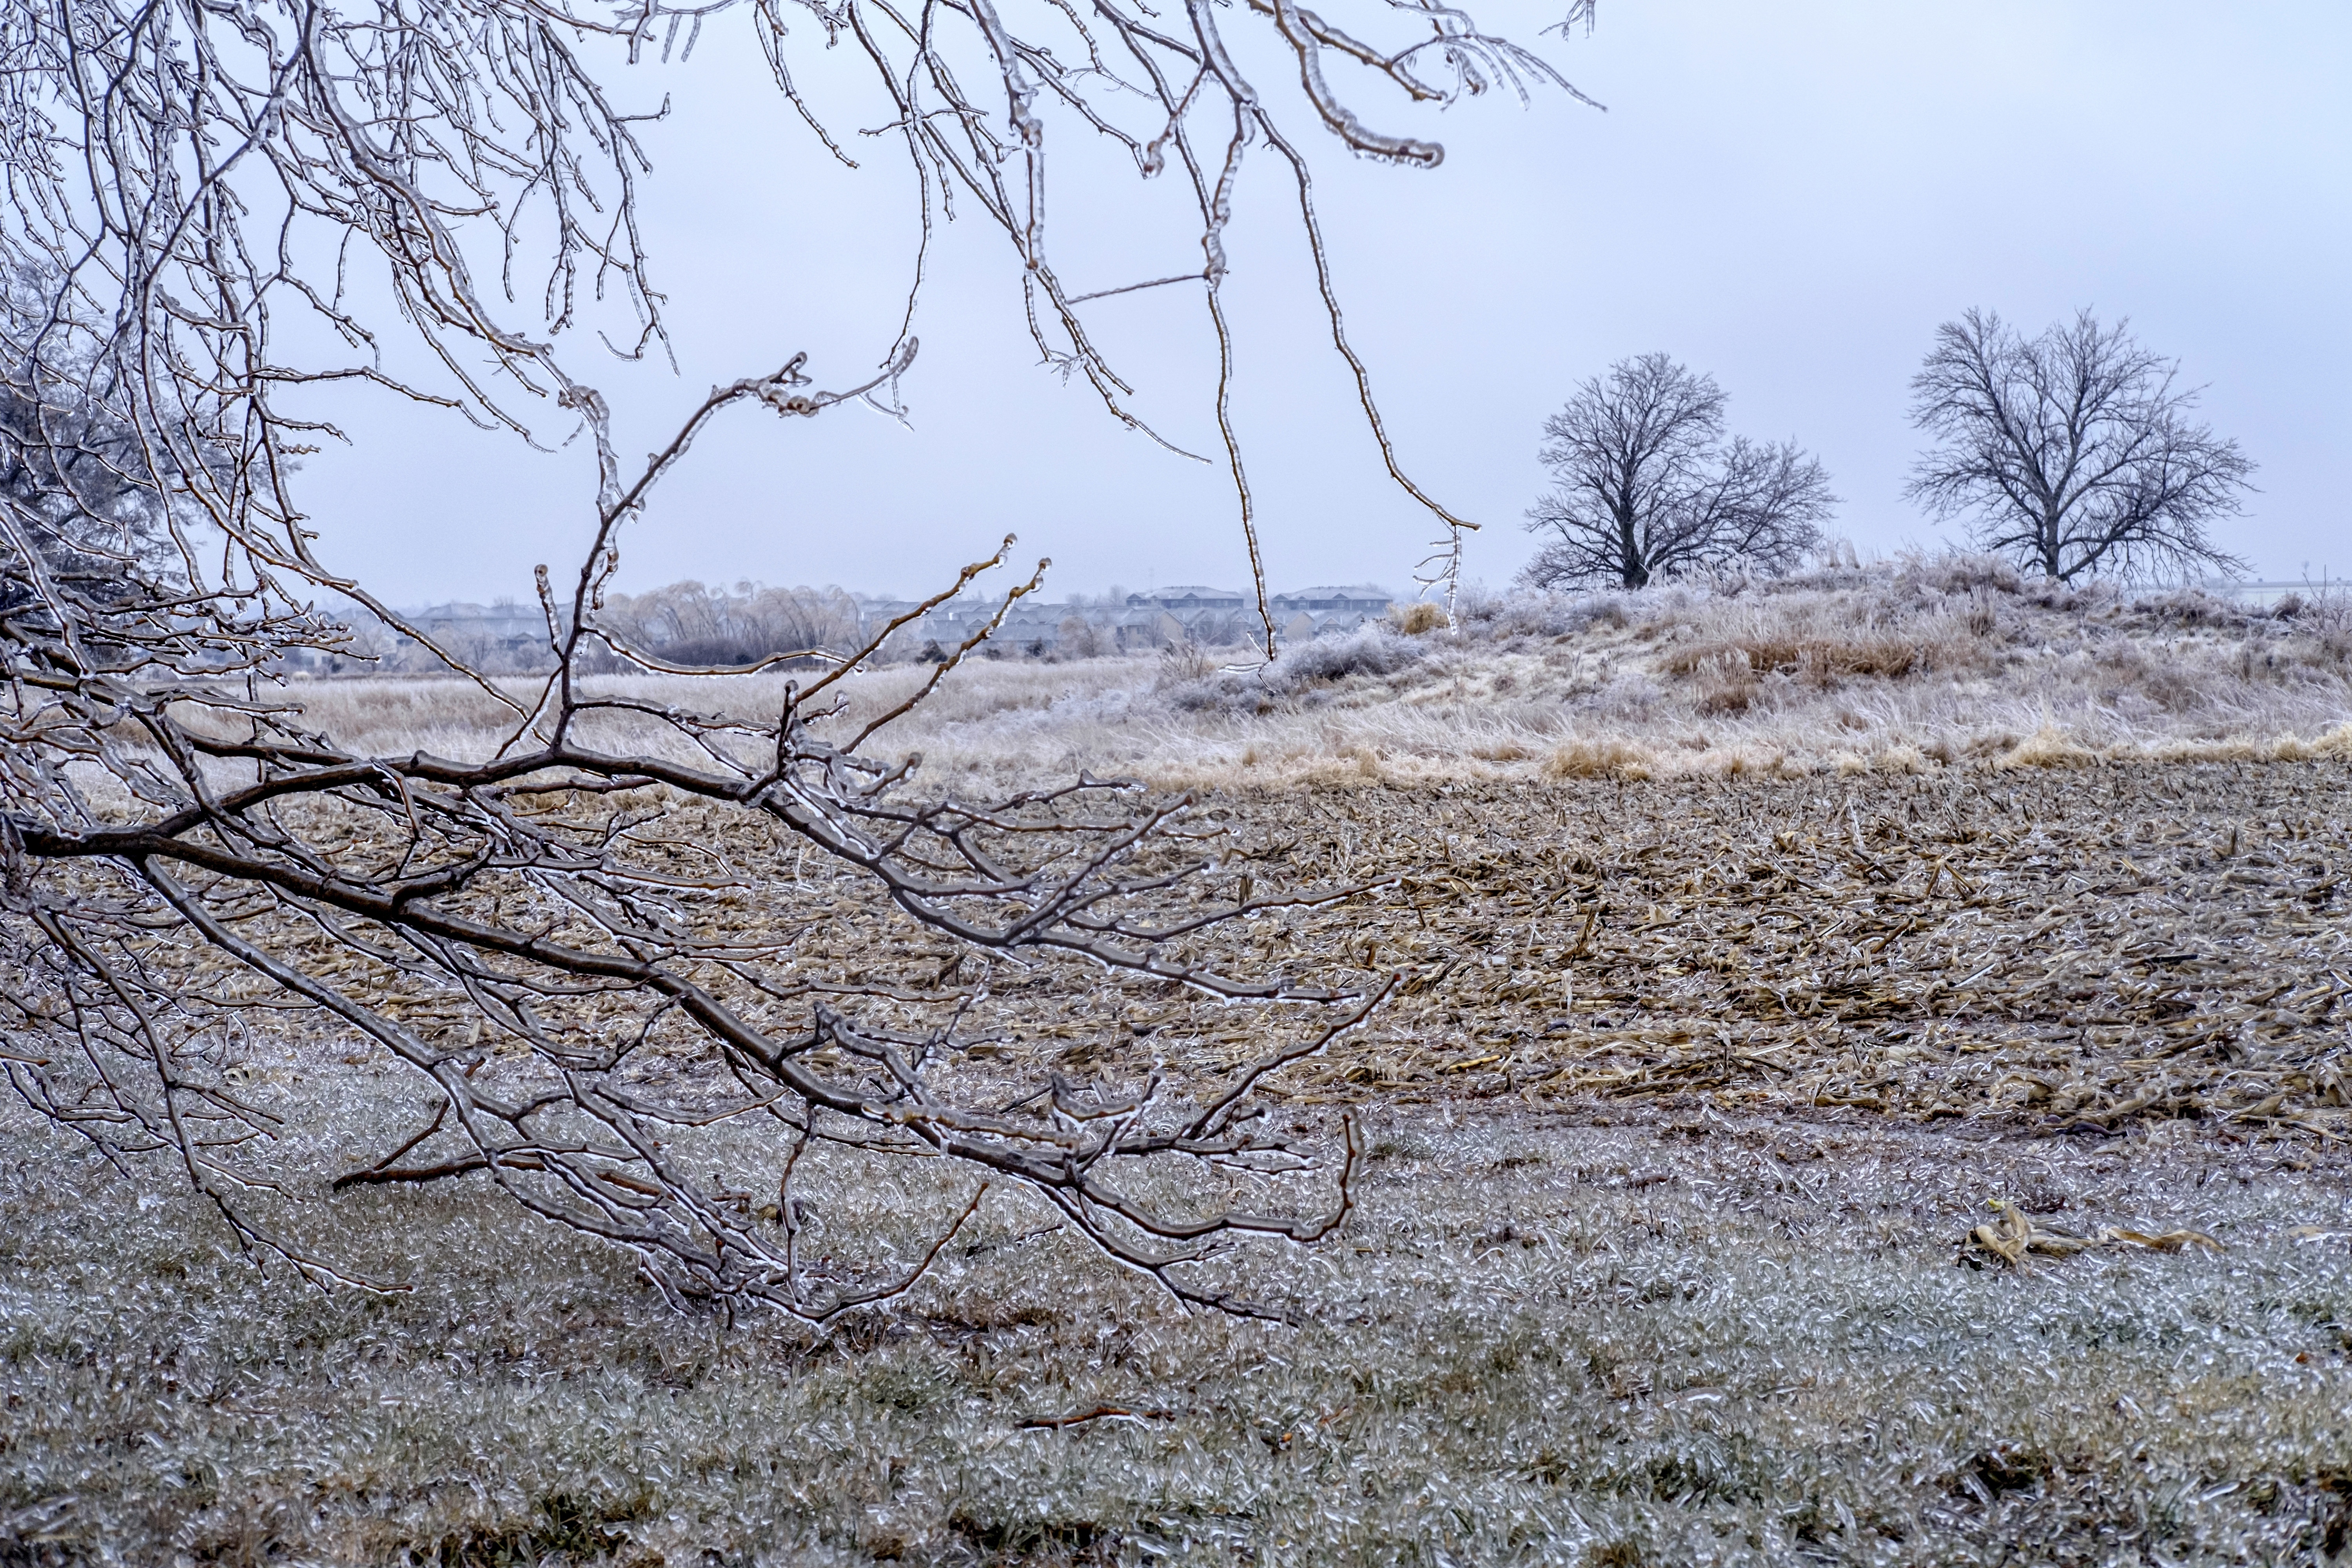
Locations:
{"points": [[1913, 665]]}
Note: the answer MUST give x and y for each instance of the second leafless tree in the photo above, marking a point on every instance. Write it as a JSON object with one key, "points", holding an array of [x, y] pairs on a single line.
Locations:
{"points": [[1646, 486], [2073, 453]]}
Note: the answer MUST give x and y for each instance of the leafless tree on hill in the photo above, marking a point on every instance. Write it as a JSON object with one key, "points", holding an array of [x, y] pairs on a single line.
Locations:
{"points": [[187, 862], [2073, 453], [1646, 487]]}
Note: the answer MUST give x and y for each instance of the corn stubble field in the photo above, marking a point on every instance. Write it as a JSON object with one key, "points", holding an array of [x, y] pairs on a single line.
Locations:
{"points": [[1738, 974]]}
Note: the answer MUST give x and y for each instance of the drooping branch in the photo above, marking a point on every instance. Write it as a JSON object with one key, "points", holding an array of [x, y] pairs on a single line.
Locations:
{"points": [[543, 929]]}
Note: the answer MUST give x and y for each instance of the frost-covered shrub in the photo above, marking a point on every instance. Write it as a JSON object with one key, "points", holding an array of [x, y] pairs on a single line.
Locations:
{"points": [[1419, 616], [1961, 574], [2196, 607], [1483, 617], [2326, 619], [1370, 650], [1495, 618], [1375, 649]]}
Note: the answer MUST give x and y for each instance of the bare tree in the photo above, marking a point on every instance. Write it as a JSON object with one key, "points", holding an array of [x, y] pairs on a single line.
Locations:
{"points": [[2073, 452], [1646, 487], [542, 935], [1083, 636]]}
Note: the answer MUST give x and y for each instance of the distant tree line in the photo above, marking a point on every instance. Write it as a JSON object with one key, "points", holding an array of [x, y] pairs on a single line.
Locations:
{"points": [[2073, 453]]}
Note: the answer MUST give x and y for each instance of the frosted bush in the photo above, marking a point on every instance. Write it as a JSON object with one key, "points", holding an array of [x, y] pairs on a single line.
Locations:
{"points": [[1370, 650], [1373, 649]]}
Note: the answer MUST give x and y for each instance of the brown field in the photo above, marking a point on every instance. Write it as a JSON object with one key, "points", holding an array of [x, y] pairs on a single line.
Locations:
{"points": [[2060, 952], [1692, 1090]]}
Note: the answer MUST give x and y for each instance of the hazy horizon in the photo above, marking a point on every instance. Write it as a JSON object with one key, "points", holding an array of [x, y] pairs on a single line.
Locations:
{"points": [[1062, 594]]}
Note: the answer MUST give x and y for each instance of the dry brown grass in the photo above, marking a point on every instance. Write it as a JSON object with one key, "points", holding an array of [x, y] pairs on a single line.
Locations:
{"points": [[1598, 760], [1904, 666], [1824, 654], [1421, 616]]}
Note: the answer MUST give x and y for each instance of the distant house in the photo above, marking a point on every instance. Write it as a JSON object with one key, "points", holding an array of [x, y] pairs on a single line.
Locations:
{"points": [[504, 622], [1188, 599], [1329, 611], [1364, 598], [505, 638]]}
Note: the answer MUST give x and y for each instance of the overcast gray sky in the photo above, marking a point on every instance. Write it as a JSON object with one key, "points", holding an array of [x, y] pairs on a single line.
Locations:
{"points": [[1789, 196]]}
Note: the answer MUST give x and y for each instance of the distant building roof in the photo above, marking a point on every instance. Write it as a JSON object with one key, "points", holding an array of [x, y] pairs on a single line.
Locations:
{"points": [[1188, 594], [508, 618], [1342, 597]]}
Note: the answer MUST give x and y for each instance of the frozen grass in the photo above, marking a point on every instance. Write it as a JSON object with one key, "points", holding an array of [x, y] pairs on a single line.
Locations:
{"points": [[1709, 1333], [1906, 667], [1718, 1341]]}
